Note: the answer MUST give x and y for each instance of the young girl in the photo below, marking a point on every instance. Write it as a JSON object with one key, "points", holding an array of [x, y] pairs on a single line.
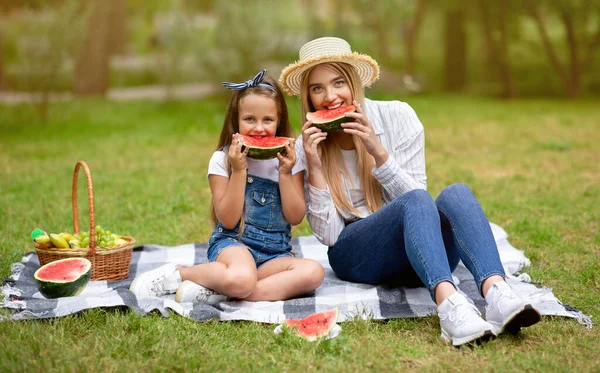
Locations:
{"points": [[255, 202], [367, 199]]}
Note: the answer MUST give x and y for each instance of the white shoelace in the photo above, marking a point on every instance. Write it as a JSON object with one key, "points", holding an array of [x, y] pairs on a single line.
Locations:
{"points": [[460, 313], [158, 285], [504, 297], [203, 294]]}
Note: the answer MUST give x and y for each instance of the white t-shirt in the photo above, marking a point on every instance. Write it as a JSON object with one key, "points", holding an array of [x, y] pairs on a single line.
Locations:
{"points": [[357, 195], [266, 168]]}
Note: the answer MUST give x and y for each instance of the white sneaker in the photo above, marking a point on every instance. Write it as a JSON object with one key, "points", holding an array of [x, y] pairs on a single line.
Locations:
{"points": [[156, 282], [461, 321], [507, 311], [190, 291]]}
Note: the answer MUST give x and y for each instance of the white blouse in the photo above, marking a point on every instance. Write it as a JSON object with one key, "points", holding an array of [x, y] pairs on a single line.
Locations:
{"points": [[401, 133]]}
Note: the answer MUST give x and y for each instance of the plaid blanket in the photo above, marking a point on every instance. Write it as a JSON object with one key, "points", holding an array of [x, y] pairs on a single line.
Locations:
{"points": [[352, 299]]}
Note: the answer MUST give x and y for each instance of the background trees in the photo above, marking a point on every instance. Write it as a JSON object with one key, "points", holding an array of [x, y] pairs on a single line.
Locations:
{"points": [[504, 48]]}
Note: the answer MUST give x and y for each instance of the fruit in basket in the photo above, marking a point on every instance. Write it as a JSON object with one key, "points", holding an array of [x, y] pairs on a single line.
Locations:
{"points": [[66, 236], [65, 240], [59, 241], [41, 237], [63, 278], [75, 243]]}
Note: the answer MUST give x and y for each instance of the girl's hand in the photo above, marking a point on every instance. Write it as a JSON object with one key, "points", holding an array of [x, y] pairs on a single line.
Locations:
{"points": [[363, 128], [311, 137], [237, 157], [287, 161]]}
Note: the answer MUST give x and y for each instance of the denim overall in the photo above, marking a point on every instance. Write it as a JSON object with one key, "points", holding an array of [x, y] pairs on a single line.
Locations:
{"points": [[266, 233]]}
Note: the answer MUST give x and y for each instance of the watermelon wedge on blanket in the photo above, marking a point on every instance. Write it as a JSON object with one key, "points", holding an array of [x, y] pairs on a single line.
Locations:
{"points": [[331, 120], [315, 326], [63, 278], [265, 147]]}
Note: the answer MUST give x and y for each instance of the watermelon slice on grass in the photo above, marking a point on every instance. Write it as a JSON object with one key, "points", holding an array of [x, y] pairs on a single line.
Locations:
{"points": [[63, 278], [320, 325], [265, 147], [331, 120]]}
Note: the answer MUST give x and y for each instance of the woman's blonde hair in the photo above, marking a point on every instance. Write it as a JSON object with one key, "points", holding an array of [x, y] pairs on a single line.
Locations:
{"points": [[332, 159], [231, 124]]}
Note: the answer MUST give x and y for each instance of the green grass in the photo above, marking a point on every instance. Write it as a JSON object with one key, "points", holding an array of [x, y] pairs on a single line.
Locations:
{"points": [[533, 164]]}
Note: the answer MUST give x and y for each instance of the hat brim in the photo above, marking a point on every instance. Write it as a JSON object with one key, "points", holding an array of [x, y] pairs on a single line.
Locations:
{"points": [[366, 67]]}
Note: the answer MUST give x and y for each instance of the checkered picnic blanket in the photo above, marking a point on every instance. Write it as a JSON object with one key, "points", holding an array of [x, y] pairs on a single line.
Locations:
{"points": [[352, 299]]}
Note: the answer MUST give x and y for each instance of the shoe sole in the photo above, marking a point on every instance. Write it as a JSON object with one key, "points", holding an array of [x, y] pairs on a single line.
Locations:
{"points": [[179, 294], [522, 319], [477, 339], [133, 287]]}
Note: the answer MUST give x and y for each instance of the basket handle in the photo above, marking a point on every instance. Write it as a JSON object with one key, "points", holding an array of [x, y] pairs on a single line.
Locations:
{"points": [[90, 188]]}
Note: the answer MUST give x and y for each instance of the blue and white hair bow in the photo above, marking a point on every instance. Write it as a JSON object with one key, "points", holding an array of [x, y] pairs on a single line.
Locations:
{"points": [[255, 82]]}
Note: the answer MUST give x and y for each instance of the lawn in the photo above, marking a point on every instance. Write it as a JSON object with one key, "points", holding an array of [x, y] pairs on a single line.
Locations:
{"points": [[533, 164]]}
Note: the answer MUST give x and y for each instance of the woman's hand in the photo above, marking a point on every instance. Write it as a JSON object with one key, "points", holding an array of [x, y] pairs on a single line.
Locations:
{"points": [[287, 161], [311, 137], [237, 157], [363, 128]]}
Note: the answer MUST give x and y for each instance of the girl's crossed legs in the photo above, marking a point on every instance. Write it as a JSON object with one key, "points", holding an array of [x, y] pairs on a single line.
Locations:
{"points": [[235, 275]]}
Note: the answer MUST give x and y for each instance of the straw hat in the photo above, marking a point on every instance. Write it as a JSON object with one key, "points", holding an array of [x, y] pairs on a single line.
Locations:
{"points": [[327, 49]]}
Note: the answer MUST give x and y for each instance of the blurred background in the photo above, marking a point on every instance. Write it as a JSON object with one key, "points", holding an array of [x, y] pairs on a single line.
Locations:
{"points": [[168, 49]]}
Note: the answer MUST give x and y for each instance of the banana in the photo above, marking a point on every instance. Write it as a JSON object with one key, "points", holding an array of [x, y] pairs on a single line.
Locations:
{"points": [[66, 236], [58, 241], [41, 237], [120, 241], [75, 243]]}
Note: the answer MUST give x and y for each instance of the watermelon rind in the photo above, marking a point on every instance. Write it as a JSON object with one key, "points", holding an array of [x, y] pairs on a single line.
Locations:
{"points": [[56, 287], [315, 326], [331, 124], [262, 153]]}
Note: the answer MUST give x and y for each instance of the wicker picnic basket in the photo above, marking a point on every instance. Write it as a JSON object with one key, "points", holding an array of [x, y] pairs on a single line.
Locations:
{"points": [[108, 263]]}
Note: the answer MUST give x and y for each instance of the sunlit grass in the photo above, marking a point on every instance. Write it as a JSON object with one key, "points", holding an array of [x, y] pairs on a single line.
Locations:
{"points": [[533, 164]]}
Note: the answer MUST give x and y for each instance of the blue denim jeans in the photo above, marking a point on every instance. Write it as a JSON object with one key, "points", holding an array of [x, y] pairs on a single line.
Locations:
{"points": [[416, 241]]}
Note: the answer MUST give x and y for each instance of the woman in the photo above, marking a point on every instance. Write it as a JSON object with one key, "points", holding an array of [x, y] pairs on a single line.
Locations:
{"points": [[367, 199]]}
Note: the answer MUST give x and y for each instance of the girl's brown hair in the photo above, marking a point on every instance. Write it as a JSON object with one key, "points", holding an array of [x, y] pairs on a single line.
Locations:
{"points": [[231, 124], [332, 159]]}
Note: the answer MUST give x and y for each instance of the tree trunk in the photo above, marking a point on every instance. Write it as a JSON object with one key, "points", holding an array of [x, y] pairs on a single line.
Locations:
{"points": [[92, 66], [593, 45], [550, 51], [487, 28], [506, 73], [411, 34], [574, 81], [3, 84], [117, 37], [455, 61], [382, 40]]}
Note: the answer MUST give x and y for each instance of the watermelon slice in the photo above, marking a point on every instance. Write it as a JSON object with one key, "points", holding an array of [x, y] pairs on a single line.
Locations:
{"points": [[330, 120], [318, 325], [63, 278], [265, 147]]}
